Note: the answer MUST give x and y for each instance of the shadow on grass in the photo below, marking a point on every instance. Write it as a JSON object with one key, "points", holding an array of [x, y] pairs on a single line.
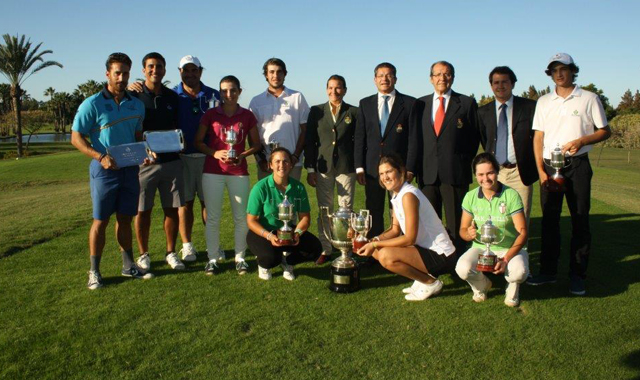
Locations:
{"points": [[612, 267], [633, 361]]}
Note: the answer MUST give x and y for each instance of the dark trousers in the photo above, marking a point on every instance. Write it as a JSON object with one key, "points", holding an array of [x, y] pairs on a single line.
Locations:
{"points": [[268, 256], [578, 192], [376, 204], [451, 197]]}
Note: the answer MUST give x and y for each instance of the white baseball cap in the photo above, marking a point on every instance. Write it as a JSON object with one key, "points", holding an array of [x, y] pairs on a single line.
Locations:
{"points": [[563, 58], [187, 59]]}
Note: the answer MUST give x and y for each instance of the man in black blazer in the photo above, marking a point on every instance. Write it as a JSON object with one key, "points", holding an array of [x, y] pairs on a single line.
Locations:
{"points": [[382, 128], [508, 134], [448, 129], [328, 153]]}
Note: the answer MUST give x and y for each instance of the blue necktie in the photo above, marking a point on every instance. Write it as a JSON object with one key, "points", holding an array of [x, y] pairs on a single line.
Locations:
{"points": [[385, 114], [502, 136]]}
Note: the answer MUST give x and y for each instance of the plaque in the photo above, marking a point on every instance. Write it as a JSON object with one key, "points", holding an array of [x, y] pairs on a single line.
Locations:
{"points": [[129, 154], [165, 141]]}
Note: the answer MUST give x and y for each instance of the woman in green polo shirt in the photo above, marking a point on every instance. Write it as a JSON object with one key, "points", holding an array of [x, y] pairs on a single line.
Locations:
{"points": [[262, 218], [503, 205]]}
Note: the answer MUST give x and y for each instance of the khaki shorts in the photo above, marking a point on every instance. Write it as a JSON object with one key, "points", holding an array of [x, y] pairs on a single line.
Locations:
{"points": [[192, 171], [167, 178]]}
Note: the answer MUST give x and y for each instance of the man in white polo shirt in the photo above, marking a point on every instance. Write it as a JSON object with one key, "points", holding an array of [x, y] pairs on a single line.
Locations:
{"points": [[572, 119], [282, 117]]}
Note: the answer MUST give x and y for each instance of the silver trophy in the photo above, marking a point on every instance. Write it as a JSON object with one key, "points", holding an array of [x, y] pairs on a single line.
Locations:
{"points": [[345, 277], [231, 137], [273, 144], [557, 162], [361, 223], [490, 234], [285, 215]]}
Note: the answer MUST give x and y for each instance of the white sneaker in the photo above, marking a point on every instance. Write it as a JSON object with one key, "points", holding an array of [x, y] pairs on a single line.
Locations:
{"points": [[512, 295], [481, 296], [188, 254], [95, 280], [425, 291], [413, 287], [174, 262], [144, 262], [287, 271], [263, 273], [242, 267]]}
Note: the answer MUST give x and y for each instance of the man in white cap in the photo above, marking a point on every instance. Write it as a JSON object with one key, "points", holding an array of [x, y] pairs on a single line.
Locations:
{"points": [[572, 119]]}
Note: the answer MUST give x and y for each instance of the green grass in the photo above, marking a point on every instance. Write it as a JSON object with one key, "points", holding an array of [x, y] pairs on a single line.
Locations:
{"points": [[9, 151], [188, 325]]}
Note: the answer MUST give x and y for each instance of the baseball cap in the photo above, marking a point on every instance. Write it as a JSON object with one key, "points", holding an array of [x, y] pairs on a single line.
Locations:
{"points": [[563, 58], [187, 59]]}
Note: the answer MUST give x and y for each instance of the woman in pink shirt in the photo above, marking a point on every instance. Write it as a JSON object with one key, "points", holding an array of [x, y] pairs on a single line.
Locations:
{"points": [[221, 171]]}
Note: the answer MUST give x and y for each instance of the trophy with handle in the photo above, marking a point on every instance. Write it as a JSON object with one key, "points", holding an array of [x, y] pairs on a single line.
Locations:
{"points": [[285, 215], [361, 223], [231, 138], [557, 162], [490, 235], [345, 277]]}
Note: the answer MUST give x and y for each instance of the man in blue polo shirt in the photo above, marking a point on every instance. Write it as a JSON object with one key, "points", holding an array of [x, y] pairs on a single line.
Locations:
{"points": [[109, 118]]}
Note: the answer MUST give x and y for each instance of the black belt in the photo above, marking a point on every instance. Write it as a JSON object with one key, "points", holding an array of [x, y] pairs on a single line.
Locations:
{"points": [[508, 165]]}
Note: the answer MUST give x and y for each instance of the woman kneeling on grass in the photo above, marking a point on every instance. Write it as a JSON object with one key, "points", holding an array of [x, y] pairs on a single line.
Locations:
{"points": [[504, 206], [416, 245], [262, 218]]}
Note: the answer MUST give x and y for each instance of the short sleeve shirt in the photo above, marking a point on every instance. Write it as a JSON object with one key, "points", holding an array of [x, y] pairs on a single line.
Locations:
{"points": [[107, 123], [566, 119], [191, 110], [217, 123], [265, 198], [501, 207], [279, 118]]}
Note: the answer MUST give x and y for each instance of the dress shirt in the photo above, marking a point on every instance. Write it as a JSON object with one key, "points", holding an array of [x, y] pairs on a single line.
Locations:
{"points": [[511, 151], [335, 116], [392, 98], [436, 104]]}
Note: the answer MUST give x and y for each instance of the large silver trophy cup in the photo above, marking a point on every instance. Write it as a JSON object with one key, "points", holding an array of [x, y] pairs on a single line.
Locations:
{"points": [[555, 183], [490, 234], [231, 138], [345, 277]]}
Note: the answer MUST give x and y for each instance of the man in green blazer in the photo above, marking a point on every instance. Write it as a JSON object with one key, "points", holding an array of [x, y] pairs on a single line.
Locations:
{"points": [[329, 152]]}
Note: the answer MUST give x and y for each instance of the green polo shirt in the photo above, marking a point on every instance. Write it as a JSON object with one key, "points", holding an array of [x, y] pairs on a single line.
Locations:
{"points": [[501, 207], [265, 197]]}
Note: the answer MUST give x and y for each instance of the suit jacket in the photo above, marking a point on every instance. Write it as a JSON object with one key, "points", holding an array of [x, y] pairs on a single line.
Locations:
{"points": [[449, 155], [398, 135], [329, 145], [522, 134]]}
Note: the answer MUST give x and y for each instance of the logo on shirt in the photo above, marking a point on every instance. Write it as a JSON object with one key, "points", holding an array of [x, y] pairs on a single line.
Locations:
{"points": [[108, 107], [347, 119], [460, 123], [169, 107], [399, 128], [502, 207], [575, 112]]}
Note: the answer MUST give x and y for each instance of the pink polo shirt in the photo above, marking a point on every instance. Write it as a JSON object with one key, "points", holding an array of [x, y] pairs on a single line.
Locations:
{"points": [[216, 121]]}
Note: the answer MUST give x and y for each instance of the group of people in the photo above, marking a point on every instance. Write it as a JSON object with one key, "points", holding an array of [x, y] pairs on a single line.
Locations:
{"points": [[385, 144]]}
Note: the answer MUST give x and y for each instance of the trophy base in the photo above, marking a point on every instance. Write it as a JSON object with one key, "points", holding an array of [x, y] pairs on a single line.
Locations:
{"points": [[344, 280], [485, 268], [555, 184], [357, 244], [285, 242]]}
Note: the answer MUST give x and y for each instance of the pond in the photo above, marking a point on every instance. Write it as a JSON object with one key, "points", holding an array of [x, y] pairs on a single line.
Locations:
{"points": [[39, 138]]}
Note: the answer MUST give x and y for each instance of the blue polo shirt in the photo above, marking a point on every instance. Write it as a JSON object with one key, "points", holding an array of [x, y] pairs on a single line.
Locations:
{"points": [[108, 123], [191, 110]]}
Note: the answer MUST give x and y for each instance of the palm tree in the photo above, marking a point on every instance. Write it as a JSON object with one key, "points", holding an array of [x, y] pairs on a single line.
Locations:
{"points": [[50, 92], [17, 58]]}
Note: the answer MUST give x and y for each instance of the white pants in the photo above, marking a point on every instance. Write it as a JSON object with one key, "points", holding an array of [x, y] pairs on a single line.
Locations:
{"points": [[238, 188], [346, 186], [517, 269]]}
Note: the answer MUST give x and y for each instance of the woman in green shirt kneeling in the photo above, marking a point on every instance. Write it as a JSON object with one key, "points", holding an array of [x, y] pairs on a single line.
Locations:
{"points": [[262, 218]]}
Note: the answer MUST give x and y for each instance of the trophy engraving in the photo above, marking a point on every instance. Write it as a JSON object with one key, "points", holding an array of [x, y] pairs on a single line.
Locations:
{"points": [[489, 234], [345, 277]]}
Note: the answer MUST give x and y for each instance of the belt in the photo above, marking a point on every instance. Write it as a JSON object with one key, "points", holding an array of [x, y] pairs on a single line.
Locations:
{"points": [[508, 166]]}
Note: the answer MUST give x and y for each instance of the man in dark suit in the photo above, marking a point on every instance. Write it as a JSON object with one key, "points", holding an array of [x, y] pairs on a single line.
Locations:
{"points": [[328, 153], [506, 132], [447, 124], [382, 127]]}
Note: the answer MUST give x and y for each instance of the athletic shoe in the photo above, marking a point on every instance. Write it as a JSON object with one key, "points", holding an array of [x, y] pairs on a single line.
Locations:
{"points": [[135, 272], [144, 262], [323, 259], [287, 271], [410, 289], [242, 267], [263, 273], [95, 280], [577, 286], [174, 262], [221, 254], [512, 297], [481, 296], [541, 279], [211, 267], [425, 291], [188, 254]]}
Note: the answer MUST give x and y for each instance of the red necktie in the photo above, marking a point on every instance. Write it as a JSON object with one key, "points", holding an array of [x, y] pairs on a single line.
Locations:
{"points": [[437, 125]]}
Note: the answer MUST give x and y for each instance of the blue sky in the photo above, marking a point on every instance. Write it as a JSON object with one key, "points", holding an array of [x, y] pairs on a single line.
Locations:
{"points": [[317, 39]]}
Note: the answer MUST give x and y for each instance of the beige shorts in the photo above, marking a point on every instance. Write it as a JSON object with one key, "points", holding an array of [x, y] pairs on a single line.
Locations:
{"points": [[167, 178], [192, 170]]}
